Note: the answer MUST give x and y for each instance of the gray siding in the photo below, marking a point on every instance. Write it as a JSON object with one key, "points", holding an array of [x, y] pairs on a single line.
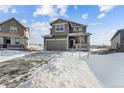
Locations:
{"points": [[22, 34], [6, 27], [115, 43], [65, 32], [122, 40]]}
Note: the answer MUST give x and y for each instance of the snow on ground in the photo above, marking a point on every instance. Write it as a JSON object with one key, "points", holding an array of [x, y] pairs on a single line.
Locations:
{"points": [[109, 69], [11, 54], [66, 69]]}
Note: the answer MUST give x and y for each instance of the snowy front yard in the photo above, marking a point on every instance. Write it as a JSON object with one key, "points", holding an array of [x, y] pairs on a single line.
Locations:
{"points": [[64, 70], [48, 69], [109, 69], [11, 54]]}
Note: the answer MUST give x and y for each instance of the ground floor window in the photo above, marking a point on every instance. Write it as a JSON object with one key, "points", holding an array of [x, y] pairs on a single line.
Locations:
{"points": [[17, 40]]}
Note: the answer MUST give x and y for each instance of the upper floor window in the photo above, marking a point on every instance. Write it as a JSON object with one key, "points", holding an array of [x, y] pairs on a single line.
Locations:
{"points": [[59, 27], [0, 28], [13, 29], [77, 29]]}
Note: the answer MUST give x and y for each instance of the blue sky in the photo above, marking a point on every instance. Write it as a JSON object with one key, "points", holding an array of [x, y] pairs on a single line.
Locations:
{"points": [[102, 21]]}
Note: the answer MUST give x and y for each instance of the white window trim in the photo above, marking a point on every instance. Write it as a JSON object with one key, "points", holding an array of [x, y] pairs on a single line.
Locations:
{"points": [[60, 30], [17, 39], [81, 29], [11, 30]]}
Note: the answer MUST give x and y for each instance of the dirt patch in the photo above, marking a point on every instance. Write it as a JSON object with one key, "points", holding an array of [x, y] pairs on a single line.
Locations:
{"points": [[15, 71]]}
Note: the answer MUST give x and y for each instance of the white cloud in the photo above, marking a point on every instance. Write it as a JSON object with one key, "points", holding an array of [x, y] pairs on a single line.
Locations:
{"points": [[102, 37], [24, 21], [39, 29], [95, 23], [85, 16], [7, 9], [45, 10], [101, 15], [62, 10], [75, 7], [112, 32], [51, 11], [4, 9], [13, 11], [104, 9], [41, 25]]}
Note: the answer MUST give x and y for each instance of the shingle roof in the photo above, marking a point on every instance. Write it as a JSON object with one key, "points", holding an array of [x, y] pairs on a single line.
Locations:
{"points": [[72, 23]]}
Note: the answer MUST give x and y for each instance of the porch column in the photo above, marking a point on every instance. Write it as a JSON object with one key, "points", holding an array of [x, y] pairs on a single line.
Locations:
{"points": [[67, 46], [1, 41], [88, 40], [80, 41]]}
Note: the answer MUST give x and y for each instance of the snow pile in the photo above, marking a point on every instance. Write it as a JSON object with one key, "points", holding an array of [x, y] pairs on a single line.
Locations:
{"points": [[109, 69], [2, 86], [11, 54], [65, 70]]}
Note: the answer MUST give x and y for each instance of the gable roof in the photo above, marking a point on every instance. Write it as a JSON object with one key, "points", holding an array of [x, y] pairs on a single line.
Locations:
{"points": [[72, 23], [15, 20], [118, 31]]}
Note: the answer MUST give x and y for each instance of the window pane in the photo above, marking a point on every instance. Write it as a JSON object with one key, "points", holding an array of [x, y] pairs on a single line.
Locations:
{"points": [[13, 28], [16, 40], [80, 29], [59, 27], [75, 29]]}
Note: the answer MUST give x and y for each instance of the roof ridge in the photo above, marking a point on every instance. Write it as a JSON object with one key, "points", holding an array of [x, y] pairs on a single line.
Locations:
{"points": [[68, 21]]}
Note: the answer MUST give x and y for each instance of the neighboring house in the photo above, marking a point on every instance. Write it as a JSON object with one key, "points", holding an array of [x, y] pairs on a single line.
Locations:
{"points": [[65, 35], [13, 35], [117, 41]]}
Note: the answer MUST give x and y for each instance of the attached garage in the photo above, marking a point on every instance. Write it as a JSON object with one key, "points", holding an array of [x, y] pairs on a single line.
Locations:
{"points": [[56, 44]]}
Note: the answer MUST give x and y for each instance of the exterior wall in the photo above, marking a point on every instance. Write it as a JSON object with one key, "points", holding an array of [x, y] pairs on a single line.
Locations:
{"points": [[1, 40], [65, 32], [88, 40], [6, 27], [115, 42], [122, 40], [12, 41], [25, 42]]}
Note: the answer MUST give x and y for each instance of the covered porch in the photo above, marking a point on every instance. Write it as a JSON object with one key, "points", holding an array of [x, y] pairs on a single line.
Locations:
{"points": [[10, 42], [78, 40]]}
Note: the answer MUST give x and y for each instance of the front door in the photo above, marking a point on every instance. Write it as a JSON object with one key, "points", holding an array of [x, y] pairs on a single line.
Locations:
{"points": [[72, 43], [7, 41]]}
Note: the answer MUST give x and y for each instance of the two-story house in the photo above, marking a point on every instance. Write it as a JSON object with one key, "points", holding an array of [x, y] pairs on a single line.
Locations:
{"points": [[13, 35], [65, 35]]}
